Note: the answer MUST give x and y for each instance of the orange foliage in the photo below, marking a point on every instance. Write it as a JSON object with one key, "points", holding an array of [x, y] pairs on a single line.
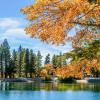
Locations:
{"points": [[47, 70], [48, 66], [51, 20], [69, 71], [77, 69]]}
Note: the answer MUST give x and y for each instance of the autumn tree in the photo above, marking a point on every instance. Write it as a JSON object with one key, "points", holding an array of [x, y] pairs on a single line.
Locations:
{"points": [[52, 20]]}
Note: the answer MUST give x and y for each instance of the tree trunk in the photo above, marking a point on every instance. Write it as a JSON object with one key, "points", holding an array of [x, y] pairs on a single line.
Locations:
{"points": [[30, 74]]}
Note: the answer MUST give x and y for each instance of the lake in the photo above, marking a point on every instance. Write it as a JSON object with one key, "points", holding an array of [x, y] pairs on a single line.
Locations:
{"points": [[48, 91]]}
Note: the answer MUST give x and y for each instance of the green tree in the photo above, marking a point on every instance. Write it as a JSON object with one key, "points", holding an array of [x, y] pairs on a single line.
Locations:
{"points": [[39, 59], [60, 61], [14, 57], [11, 69], [19, 60], [54, 61], [1, 60], [32, 63], [25, 62], [13, 62], [6, 56], [47, 59], [89, 51], [38, 63]]}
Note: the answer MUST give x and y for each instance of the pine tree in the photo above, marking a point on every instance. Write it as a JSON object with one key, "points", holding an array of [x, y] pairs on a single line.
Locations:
{"points": [[13, 62], [57, 60], [6, 56], [54, 60], [38, 60], [60, 60], [1, 61], [19, 60], [32, 63], [47, 59], [25, 62], [14, 57], [11, 69]]}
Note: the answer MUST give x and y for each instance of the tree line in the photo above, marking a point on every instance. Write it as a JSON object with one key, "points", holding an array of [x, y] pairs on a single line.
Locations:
{"points": [[23, 62]]}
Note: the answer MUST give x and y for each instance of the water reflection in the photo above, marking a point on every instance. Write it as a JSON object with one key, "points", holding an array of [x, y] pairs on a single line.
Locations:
{"points": [[6, 86]]}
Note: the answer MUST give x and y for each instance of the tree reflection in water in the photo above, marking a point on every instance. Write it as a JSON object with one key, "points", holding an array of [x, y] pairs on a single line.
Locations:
{"points": [[32, 86]]}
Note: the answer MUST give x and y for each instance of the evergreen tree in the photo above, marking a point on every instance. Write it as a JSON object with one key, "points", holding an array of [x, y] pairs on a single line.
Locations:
{"points": [[25, 62], [32, 63], [1, 61], [19, 60], [6, 56], [57, 60], [11, 69], [13, 62], [47, 59], [38, 60], [60, 60], [54, 60], [14, 58]]}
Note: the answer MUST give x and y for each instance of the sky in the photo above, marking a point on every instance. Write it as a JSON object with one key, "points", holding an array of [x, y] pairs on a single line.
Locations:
{"points": [[12, 24]]}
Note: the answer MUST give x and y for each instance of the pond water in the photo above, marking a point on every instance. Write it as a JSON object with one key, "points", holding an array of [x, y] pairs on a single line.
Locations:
{"points": [[48, 91]]}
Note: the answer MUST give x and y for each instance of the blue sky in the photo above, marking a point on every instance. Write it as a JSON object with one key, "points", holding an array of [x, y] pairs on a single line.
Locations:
{"points": [[11, 8], [12, 24]]}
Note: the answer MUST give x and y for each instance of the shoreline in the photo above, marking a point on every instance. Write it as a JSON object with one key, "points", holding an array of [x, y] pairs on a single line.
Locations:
{"points": [[16, 79], [89, 80], [86, 80]]}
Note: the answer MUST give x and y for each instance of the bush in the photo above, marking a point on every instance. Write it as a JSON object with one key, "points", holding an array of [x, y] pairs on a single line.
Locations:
{"points": [[66, 80]]}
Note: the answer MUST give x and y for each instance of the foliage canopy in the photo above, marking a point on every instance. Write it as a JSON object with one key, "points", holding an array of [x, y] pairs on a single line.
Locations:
{"points": [[52, 20]]}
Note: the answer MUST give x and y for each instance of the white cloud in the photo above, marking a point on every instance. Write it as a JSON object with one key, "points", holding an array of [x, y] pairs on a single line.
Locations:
{"points": [[13, 30], [16, 33], [9, 23]]}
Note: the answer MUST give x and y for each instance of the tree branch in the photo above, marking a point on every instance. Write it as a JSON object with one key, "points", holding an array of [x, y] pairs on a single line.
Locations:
{"points": [[88, 12], [86, 24]]}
